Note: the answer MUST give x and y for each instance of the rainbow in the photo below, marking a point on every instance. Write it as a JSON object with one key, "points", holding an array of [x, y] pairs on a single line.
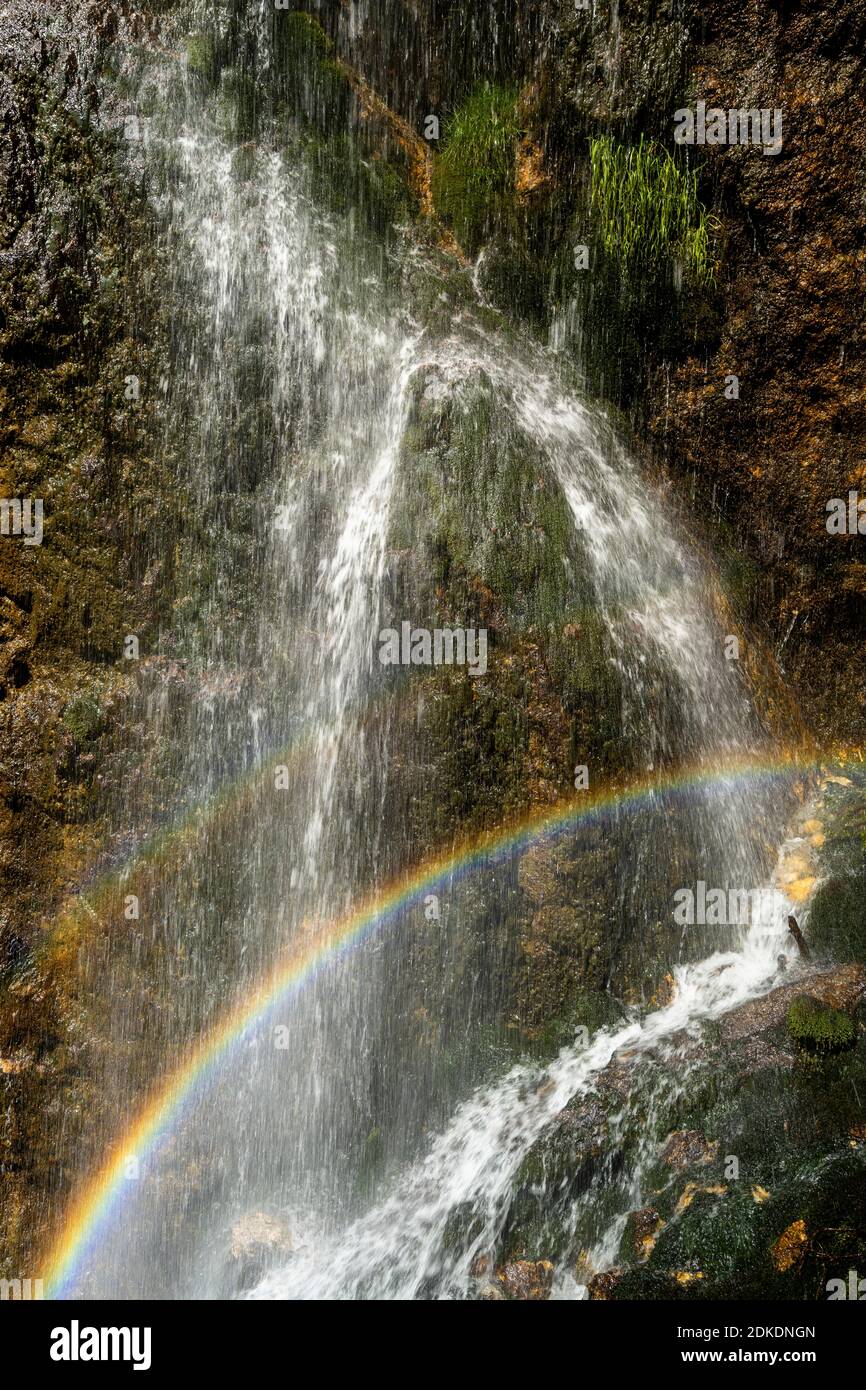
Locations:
{"points": [[92, 1209]]}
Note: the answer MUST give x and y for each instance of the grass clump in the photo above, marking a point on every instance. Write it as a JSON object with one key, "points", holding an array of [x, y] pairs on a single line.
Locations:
{"points": [[473, 183], [649, 209], [819, 1031]]}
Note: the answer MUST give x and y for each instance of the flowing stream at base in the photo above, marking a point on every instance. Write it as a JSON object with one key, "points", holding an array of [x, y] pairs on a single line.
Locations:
{"points": [[400, 1248], [297, 367]]}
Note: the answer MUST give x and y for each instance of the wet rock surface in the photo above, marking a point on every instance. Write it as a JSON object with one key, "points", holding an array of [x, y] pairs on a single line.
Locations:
{"points": [[687, 1147], [769, 1126], [257, 1242], [77, 287], [527, 1281], [841, 988]]}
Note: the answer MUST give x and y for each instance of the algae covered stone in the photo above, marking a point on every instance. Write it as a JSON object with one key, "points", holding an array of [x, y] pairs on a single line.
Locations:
{"points": [[818, 1030]]}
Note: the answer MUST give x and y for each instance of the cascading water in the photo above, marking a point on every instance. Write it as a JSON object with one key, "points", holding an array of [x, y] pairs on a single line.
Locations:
{"points": [[292, 388], [649, 591]]}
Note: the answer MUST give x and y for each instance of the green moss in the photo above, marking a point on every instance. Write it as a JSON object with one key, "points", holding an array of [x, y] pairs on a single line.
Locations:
{"points": [[201, 55], [305, 36], [83, 718], [818, 1030], [837, 920], [587, 1008], [306, 76], [473, 183], [649, 210]]}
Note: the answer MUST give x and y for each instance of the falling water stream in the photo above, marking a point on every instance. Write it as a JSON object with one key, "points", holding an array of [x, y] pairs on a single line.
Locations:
{"points": [[297, 360]]}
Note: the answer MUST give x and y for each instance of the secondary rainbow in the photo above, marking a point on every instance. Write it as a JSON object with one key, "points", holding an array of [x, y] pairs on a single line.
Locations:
{"points": [[91, 1210]]}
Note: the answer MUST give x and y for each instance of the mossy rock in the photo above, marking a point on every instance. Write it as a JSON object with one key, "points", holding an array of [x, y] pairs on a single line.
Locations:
{"points": [[201, 55], [349, 183], [83, 718], [818, 1030], [479, 493], [844, 817], [515, 279], [464, 1225], [808, 1230], [588, 1008], [306, 75], [837, 919]]}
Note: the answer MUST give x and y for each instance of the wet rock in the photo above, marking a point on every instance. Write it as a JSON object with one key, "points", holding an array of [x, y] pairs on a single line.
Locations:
{"points": [[526, 1280], [842, 988], [760, 1054], [257, 1241], [693, 1190], [643, 1230], [570, 1149], [537, 875], [491, 1293], [686, 1147], [666, 993], [13, 1066], [837, 922], [602, 1286], [531, 179]]}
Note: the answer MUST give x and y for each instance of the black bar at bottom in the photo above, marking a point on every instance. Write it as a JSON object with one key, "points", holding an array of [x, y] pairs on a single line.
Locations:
{"points": [[289, 1339]]}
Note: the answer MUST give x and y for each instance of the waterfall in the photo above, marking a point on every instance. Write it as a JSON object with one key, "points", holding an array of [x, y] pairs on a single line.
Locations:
{"points": [[298, 358]]}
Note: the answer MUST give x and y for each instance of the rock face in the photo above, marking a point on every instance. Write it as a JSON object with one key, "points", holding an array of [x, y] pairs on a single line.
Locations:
{"points": [[791, 328], [787, 318], [841, 988], [77, 318], [686, 1147]]}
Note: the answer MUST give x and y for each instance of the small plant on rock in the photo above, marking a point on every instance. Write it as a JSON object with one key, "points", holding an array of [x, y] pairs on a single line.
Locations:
{"points": [[820, 1031], [649, 209]]}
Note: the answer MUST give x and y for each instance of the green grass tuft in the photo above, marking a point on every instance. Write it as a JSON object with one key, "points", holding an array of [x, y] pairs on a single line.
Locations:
{"points": [[473, 183], [649, 209]]}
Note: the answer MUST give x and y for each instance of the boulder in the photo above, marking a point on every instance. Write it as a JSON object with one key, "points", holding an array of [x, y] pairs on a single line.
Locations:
{"points": [[602, 1286], [685, 1147], [526, 1280]]}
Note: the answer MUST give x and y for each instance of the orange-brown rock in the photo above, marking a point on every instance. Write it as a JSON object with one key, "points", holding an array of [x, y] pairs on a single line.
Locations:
{"points": [[686, 1147], [526, 1280]]}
